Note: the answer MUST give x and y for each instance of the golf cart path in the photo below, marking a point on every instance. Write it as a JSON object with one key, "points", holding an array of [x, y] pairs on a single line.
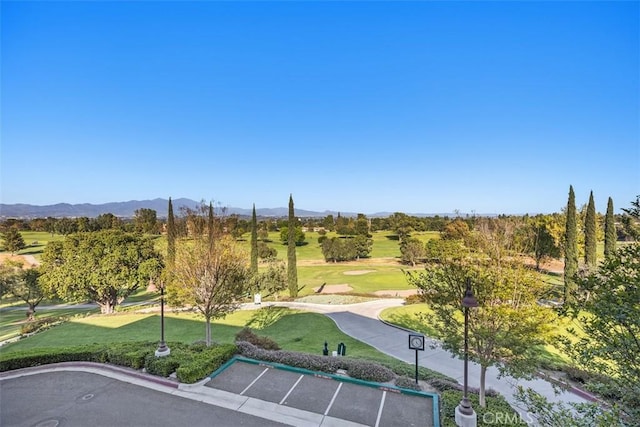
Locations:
{"points": [[361, 321]]}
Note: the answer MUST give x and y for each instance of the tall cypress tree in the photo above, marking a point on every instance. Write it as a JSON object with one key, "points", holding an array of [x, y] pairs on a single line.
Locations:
{"points": [[570, 248], [210, 226], [171, 238], [292, 270], [254, 241], [590, 239], [610, 234]]}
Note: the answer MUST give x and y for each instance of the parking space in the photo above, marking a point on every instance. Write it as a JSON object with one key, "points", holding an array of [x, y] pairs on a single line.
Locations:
{"points": [[360, 402]]}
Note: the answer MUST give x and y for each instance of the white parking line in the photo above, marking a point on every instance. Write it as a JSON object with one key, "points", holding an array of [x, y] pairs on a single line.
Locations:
{"points": [[290, 390], [254, 381], [384, 395], [333, 398]]}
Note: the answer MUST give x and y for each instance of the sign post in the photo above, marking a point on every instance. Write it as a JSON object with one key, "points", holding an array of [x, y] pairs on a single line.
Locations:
{"points": [[416, 342]]}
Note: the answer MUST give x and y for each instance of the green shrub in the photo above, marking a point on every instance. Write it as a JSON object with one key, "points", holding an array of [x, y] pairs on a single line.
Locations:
{"points": [[414, 299], [162, 366], [41, 323], [409, 370], [495, 406], [248, 335], [364, 370], [406, 382], [45, 356], [204, 363]]}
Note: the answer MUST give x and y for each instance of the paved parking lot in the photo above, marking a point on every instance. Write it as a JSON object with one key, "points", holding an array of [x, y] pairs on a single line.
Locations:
{"points": [[368, 404]]}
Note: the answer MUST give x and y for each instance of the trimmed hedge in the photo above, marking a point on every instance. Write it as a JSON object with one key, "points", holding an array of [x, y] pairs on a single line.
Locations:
{"points": [[364, 370], [248, 335], [191, 363], [205, 362]]}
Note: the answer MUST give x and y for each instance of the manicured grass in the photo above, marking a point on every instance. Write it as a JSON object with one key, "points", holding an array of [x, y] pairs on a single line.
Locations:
{"points": [[407, 317], [378, 277], [296, 331], [36, 241], [12, 320]]}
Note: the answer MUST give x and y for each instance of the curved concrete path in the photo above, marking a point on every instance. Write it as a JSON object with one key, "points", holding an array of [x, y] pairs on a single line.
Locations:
{"points": [[361, 321]]}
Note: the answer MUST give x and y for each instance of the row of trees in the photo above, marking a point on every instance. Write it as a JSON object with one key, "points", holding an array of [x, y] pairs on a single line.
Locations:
{"points": [[510, 325]]}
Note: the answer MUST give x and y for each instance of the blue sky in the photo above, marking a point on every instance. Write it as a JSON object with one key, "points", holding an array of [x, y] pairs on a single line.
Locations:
{"points": [[492, 107]]}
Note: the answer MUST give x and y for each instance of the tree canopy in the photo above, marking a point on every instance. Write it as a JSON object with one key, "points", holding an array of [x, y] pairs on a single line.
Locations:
{"points": [[103, 266], [608, 315], [508, 324], [12, 240]]}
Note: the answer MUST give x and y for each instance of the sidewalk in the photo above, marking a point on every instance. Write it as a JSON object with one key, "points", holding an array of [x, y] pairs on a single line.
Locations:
{"points": [[362, 323]]}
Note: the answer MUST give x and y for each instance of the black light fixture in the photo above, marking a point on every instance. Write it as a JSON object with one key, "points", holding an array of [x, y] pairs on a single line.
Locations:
{"points": [[162, 350], [468, 301]]}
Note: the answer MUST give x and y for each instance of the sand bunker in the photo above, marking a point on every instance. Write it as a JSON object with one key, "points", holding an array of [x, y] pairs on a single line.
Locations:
{"points": [[358, 272]]}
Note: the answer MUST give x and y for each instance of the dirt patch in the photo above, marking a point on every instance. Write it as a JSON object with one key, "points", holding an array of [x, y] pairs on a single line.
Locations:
{"points": [[27, 261], [358, 272], [333, 289], [396, 293]]}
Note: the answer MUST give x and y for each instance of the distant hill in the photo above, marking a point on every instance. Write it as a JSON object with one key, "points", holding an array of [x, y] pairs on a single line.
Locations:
{"points": [[127, 209]]}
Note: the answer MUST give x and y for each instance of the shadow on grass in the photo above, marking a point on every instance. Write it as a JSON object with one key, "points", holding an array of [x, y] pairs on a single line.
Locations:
{"points": [[267, 316], [414, 322]]}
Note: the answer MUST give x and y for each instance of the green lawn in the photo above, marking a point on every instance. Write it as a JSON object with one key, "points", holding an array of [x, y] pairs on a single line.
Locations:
{"points": [[407, 317], [377, 277], [36, 241], [291, 329]]}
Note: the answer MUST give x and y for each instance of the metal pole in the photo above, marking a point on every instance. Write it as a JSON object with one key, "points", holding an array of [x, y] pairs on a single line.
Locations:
{"points": [[416, 366], [162, 344], [466, 352]]}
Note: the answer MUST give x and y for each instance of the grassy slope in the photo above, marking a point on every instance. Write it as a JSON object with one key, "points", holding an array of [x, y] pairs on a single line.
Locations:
{"points": [[291, 329]]}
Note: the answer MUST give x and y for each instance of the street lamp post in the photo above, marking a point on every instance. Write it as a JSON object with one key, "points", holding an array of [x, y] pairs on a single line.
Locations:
{"points": [[465, 415], [162, 350]]}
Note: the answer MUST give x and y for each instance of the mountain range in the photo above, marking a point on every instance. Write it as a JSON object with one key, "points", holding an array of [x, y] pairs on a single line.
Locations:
{"points": [[127, 210]]}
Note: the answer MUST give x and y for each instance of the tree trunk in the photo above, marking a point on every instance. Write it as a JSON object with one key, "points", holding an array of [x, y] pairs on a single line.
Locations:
{"points": [[31, 312], [107, 307], [483, 375], [207, 331]]}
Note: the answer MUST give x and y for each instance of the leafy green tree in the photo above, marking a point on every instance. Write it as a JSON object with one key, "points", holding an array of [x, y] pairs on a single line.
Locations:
{"points": [[402, 225], [292, 269], [8, 275], [590, 234], [108, 221], [254, 242], [212, 275], [610, 235], [609, 323], [66, 226], [12, 240], [104, 266], [27, 287], [631, 219], [361, 226], [457, 229], [591, 414], [505, 329], [328, 223], [338, 249], [299, 238], [544, 244], [272, 279], [266, 252], [570, 249], [412, 250], [362, 245], [146, 221]]}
